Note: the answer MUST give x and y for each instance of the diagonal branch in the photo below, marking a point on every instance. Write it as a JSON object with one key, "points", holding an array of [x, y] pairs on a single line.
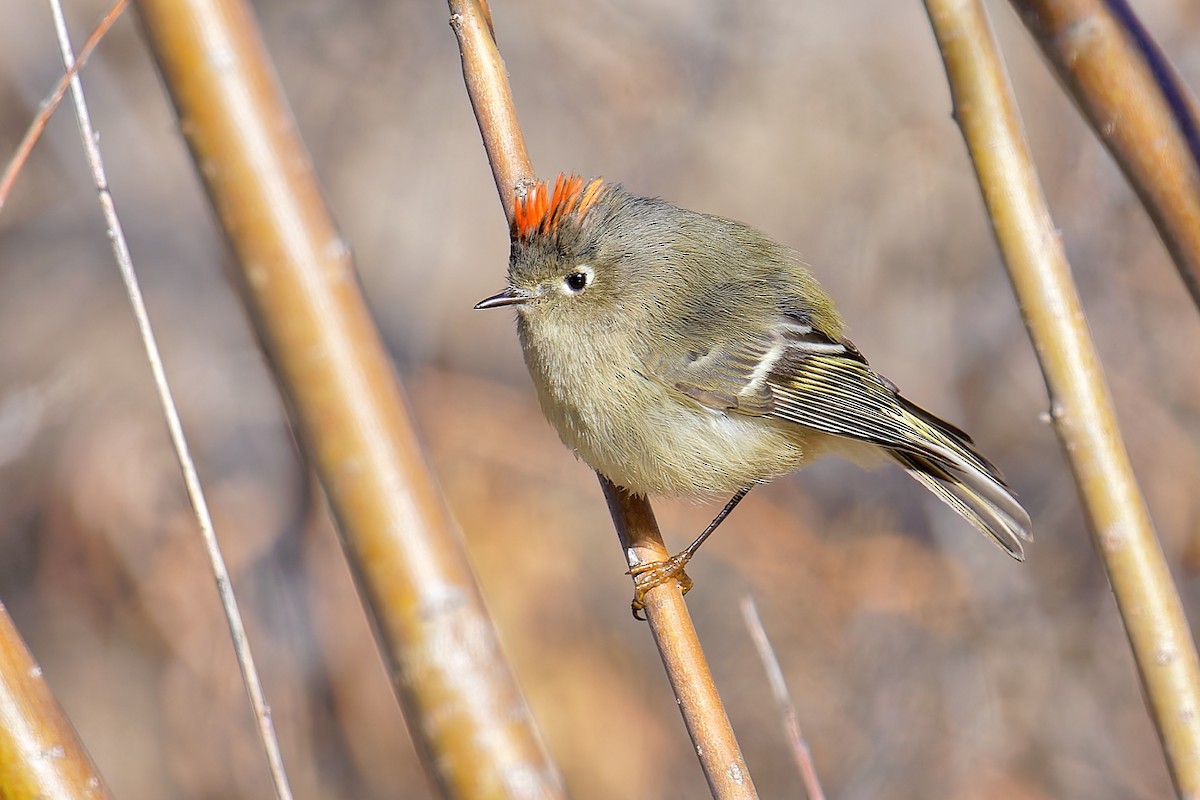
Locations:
{"points": [[1138, 108], [683, 658], [41, 757], [1080, 405], [50, 104], [684, 661], [472, 728], [801, 753]]}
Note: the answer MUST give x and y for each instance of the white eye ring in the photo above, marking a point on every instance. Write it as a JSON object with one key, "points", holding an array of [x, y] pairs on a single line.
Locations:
{"points": [[579, 279]]}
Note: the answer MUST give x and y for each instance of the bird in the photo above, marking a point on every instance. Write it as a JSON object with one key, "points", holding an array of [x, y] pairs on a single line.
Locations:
{"points": [[684, 354]]}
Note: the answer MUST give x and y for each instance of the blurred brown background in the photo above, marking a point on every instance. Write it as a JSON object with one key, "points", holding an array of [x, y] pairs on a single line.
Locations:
{"points": [[924, 663]]}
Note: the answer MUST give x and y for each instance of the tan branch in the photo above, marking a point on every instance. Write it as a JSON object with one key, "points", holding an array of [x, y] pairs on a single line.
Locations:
{"points": [[491, 98], [472, 727], [683, 658], [179, 443], [41, 758], [1138, 108], [687, 670], [1080, 404]]}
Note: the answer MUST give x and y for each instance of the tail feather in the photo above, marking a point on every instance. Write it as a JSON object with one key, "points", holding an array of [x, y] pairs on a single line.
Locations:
{"points": [[945, 461], [1007, 530]]}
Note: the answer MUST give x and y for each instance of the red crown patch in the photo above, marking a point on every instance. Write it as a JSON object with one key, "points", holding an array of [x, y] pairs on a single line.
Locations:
{"points": [[539, 212]]}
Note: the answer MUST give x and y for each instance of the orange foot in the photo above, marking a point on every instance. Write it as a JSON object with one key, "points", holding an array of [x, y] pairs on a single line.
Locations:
{"points": [[655, 573]]}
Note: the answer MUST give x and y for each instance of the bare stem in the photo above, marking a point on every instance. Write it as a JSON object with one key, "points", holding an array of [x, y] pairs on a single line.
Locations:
{"points": [[801, 754], [491, 98], [1136, 105], [684, 661], [687, 670], [1080, 405]]}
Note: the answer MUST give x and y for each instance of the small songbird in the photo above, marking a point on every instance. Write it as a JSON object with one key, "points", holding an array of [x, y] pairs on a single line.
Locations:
{"points": [[685, 354]]}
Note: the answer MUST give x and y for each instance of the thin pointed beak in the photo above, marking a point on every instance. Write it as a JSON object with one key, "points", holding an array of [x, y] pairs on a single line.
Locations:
{"points": [[511, 296]]}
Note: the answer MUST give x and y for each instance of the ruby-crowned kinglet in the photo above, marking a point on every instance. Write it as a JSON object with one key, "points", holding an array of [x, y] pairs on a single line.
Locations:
{"points": [[685, 354]]}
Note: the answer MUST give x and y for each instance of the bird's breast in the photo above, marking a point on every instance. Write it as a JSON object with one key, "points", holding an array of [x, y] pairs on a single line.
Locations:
{"points": [[640, 433]]}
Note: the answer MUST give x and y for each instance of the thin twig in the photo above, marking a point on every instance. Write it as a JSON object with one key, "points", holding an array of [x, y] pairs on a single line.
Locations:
{"points": [[1137, 106], [783, 700], [683, 658], [50, 104], [187, 466], [1080, 405]]}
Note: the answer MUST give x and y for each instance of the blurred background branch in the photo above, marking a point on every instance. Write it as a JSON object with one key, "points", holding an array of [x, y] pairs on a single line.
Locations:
{"points": [[1138, 107], [460, 698], [41, 757], [1080, 405], [50, 104], [801, 753]]}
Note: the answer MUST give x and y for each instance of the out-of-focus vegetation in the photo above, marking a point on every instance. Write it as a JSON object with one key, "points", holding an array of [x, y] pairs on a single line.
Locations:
{"points": [[924, 663]]}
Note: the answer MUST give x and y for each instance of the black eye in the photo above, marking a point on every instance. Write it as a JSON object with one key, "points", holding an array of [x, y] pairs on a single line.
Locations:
{"points": [[577, 281]]}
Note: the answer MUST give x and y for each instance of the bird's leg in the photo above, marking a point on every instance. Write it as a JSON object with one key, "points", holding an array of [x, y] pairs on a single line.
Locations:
{"points": [[655, 573]]}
